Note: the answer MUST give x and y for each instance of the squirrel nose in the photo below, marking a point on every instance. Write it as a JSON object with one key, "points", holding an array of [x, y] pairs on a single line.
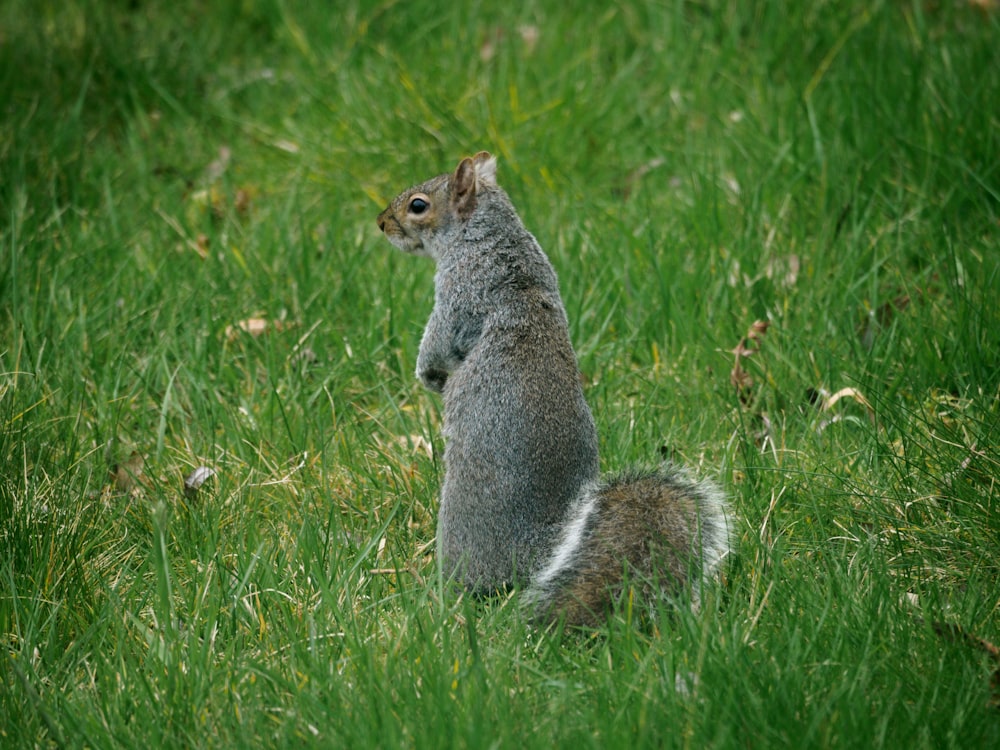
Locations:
{"points": [[381, 223]]}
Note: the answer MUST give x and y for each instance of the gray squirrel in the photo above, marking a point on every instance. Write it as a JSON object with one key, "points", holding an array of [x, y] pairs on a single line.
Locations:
{"points": [[521, 500]]}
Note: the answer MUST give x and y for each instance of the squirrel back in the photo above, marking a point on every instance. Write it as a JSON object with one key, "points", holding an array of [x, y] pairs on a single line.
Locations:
{"points": [[521, 501]]}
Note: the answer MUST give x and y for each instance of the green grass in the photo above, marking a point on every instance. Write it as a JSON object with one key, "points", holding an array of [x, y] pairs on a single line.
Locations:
{"points": [[690, 167]]}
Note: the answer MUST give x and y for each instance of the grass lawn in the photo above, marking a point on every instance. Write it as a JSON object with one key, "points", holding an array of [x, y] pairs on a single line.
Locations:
{"points": [[777, 232]]}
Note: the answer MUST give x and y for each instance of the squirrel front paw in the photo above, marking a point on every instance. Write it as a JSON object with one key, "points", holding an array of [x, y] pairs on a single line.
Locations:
{"points": [[433, 380]]}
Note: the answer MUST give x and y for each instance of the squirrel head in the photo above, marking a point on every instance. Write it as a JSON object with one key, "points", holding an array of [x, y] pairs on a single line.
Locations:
{"points": [[423, 220]]}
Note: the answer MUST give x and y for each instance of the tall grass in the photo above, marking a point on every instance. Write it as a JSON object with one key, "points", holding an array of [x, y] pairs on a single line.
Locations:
{"points": [[174, 173]]}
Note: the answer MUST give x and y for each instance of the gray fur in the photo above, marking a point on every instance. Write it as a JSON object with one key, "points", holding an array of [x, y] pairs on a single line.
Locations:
{"points": [[520, 499], [520, 440]]}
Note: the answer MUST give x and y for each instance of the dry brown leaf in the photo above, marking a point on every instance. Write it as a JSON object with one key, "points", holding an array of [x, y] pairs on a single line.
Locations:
{"points": [[748, 346], [488, 49], [201, 246], [740, 379], [253, 326], [750, 343], [853, 393], [826, 401], [256, 327], [217, 200], [127, 476], [530, 35], [244, 197]]}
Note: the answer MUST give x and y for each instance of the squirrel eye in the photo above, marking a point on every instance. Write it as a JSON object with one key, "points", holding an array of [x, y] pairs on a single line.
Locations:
{"points": [[418, 206]]}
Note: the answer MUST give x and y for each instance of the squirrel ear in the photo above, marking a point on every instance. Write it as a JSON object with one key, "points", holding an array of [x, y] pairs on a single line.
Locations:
{"points": [[486, 168], [471, 174], [463, 184]]}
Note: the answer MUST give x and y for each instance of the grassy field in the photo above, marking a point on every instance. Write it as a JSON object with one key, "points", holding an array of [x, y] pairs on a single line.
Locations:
{"points": [[191, 276]]}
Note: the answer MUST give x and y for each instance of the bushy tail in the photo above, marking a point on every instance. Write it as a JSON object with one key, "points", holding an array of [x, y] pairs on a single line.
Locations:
{"points": [[662, 527]]}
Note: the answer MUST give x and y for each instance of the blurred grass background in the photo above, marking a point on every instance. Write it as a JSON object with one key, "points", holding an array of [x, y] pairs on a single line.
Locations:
{"points": [[191, 276]]}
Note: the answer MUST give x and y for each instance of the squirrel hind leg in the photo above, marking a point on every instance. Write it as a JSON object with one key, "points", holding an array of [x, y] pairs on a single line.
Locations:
{"points": [[661, 531]]}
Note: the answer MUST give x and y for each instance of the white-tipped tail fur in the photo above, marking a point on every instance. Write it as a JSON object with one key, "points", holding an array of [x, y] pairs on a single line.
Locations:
{"points": [[717, 545], [664, 530], [570, 540]]}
